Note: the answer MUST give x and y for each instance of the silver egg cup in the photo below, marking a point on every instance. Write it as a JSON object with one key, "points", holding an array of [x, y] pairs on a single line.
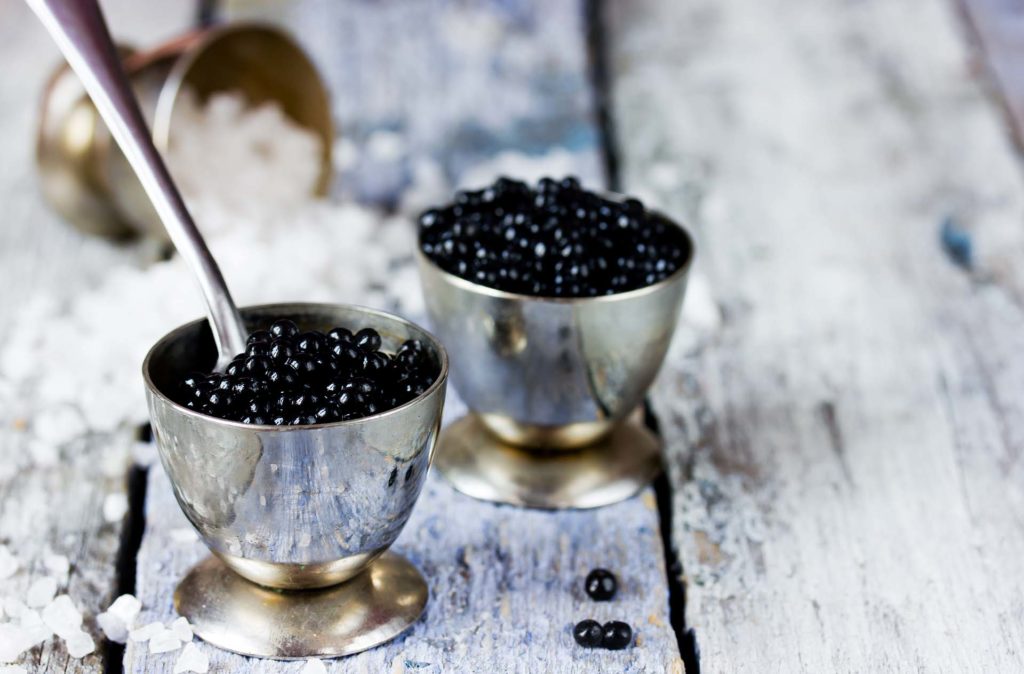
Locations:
{"points": [[299, 518], [555, 388]]}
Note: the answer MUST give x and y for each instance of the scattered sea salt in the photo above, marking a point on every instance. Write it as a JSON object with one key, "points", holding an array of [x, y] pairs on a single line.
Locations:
{"points": [[127, 608], [314, 666], [115, 506], [14, 607], [36, 630], [79, 644], [192, 659], [182, 629], [14, 640], [41, 592], [63, 617], [57, 566], [8, 563], [164, 641], [146, 632], [113, 627]]}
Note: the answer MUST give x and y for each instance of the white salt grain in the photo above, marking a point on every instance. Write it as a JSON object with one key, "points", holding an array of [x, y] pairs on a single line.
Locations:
{"points": [[14, 641], [14, 607], [35, 629], [146, 632], [79, 644], [126, 607], [13, 669], [182, 629], [164, 641], [62, 616], [8, 563], [57, 566], [314, 666], [115, 506], [192, 659], [113, 627], [41, 592]]}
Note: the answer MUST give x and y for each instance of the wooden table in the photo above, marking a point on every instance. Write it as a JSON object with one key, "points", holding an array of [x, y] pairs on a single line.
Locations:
{"points": [[842, 410]]}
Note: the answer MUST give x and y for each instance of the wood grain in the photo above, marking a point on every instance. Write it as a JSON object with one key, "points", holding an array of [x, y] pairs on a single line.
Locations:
{"points": [[846, 447]]}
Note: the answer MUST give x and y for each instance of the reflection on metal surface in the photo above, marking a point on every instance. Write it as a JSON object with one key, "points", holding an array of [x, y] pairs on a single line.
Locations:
{"points": [[606, 472], [294, 506], [371, 608]]}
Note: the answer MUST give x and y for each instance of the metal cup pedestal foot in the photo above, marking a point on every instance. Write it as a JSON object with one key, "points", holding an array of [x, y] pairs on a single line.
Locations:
{"points": [[232, 613], [481, 465]]}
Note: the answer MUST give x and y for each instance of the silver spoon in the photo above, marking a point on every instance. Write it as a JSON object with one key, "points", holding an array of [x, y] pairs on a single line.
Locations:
{"points": [[78, 28]]}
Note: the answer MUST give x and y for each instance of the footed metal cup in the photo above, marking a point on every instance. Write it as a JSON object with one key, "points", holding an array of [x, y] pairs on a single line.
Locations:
{"points": [[542, 374], [296, 507]]}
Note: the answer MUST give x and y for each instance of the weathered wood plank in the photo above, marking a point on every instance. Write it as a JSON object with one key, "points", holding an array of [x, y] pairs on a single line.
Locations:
{"points": [[846, 448], [51, 494]]}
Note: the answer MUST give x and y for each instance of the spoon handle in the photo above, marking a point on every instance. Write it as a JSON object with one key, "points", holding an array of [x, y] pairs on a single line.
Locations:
{"points": [[78, 28]]}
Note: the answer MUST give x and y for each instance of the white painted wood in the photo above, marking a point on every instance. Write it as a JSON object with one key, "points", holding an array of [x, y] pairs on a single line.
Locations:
{"points": [[846, 448]]}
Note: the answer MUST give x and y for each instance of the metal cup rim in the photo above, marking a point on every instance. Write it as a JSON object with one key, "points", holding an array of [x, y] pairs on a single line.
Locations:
{"points": [[282, 306], [481, 289]]}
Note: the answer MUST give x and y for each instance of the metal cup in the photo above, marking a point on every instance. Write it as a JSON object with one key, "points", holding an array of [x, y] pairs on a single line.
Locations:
{"points": [[548, 373], [83, 173], [294, 507]]}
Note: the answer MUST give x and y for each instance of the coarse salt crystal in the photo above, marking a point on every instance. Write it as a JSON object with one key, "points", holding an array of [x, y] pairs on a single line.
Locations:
{"points": [[182, 629], [41, 592], [14, 607], [62, 616], [113, 627], [127, 608], [79, 644], [192, 659], [115, 506], [36, 630], [314, 666], [164, 641], [14, 640], [57, 566], [146, 632]]}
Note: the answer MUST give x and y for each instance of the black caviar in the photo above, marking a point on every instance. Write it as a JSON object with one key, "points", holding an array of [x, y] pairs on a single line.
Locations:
{"points": [[291, 378], [616, 635], [554, 240], [588, 633], [601, 585]]}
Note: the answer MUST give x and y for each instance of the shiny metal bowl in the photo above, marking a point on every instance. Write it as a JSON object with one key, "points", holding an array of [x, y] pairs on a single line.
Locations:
{"points": [[294, 506], [548, 372]]}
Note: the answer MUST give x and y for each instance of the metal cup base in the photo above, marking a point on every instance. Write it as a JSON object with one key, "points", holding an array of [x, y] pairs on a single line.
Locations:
{"points": [[232, 613], [613, 469]]}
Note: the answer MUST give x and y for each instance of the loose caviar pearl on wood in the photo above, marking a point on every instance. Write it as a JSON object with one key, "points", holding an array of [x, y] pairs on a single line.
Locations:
{"points": [[601, 585], [555, 240], [288, 377], [588, 633]]}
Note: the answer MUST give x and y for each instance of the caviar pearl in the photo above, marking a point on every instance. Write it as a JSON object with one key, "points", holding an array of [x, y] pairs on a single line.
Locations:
{"points": [[600, 585], [588, 633], [616, 635], [288, 377]]}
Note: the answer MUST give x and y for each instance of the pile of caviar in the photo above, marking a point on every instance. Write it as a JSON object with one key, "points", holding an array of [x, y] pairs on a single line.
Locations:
{"points": [[292, 378], [555, 240]]}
